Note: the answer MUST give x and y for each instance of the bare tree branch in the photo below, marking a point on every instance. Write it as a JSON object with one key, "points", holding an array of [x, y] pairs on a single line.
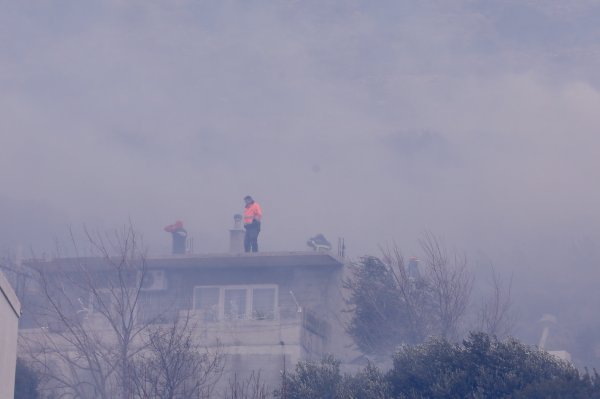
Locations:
{"points": [[91, 338], [392, 304], [495, 315], [250, 388]]}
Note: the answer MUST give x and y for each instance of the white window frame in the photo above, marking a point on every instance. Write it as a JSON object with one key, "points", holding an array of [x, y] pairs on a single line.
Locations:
{"points": [[249, 298]]}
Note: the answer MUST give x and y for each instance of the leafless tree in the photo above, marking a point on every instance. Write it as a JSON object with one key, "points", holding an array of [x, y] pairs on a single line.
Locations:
{"points": [[392, 304], [174, 365], [495, 315], [437, 298], [414, 297], [450, 282], [250, 388], [90, 337]]}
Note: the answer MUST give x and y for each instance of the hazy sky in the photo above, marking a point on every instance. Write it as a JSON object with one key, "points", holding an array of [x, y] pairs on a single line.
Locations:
{"points": [[368, 120]]}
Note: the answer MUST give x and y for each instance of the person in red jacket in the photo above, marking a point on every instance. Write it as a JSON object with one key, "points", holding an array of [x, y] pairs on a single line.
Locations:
{"points": [[179, 236], [252, 219]]}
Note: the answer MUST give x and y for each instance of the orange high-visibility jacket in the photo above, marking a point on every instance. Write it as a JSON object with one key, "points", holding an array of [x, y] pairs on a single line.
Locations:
{"points": [[252, 212]]}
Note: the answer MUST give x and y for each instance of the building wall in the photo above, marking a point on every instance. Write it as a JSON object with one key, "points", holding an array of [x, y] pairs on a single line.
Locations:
{"points": [[319, 292], [10, 310], [305, 327]]}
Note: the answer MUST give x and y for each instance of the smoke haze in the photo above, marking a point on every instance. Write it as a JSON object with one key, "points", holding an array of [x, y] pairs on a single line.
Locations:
{"points": [[372, 121]]}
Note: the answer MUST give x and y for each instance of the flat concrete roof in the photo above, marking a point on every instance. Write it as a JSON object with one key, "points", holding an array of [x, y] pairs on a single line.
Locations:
{"points": [[260, 259], [222, 260], [10, 296]]}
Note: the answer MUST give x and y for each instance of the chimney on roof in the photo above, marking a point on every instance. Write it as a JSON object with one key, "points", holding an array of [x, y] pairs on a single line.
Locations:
{"points": [[236, 235]]}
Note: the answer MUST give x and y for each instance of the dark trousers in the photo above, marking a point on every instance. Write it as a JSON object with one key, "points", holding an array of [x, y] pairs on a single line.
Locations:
{"points": [[251, 237]]}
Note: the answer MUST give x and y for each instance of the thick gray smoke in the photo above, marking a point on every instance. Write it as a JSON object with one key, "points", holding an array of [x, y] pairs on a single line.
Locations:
{"points": [[372, 121]]}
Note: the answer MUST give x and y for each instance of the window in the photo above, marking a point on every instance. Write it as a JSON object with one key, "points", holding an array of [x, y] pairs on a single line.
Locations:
{"points": [[235, 303], [255, 302], [263, 303]]}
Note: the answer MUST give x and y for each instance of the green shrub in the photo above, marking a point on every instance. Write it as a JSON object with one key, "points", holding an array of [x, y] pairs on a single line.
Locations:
{"points": [[483, 367]]}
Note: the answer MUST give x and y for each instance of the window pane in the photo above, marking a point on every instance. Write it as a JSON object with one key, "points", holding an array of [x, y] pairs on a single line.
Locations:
{"points": [[206, 299], [263, 303], [235, 304]]}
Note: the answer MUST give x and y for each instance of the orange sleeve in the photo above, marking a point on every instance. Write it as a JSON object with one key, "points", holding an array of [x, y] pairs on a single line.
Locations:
{"points": [[257, 211]]}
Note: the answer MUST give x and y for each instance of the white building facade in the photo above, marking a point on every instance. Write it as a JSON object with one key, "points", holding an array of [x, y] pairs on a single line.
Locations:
{"points": [[10, 311]]}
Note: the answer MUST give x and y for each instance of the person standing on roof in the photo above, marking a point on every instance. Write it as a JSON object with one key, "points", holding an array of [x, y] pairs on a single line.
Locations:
{"points": [[252, 218], [179, 236]]}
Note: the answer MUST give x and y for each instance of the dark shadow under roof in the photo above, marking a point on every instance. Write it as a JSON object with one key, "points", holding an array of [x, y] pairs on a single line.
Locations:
{"points": [[226, 260], [259, 259]]}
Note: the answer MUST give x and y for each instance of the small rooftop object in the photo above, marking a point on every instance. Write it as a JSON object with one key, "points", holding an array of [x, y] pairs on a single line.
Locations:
{"points": [[236, 235], [179, 235], [237, 221], [319, 243]]}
